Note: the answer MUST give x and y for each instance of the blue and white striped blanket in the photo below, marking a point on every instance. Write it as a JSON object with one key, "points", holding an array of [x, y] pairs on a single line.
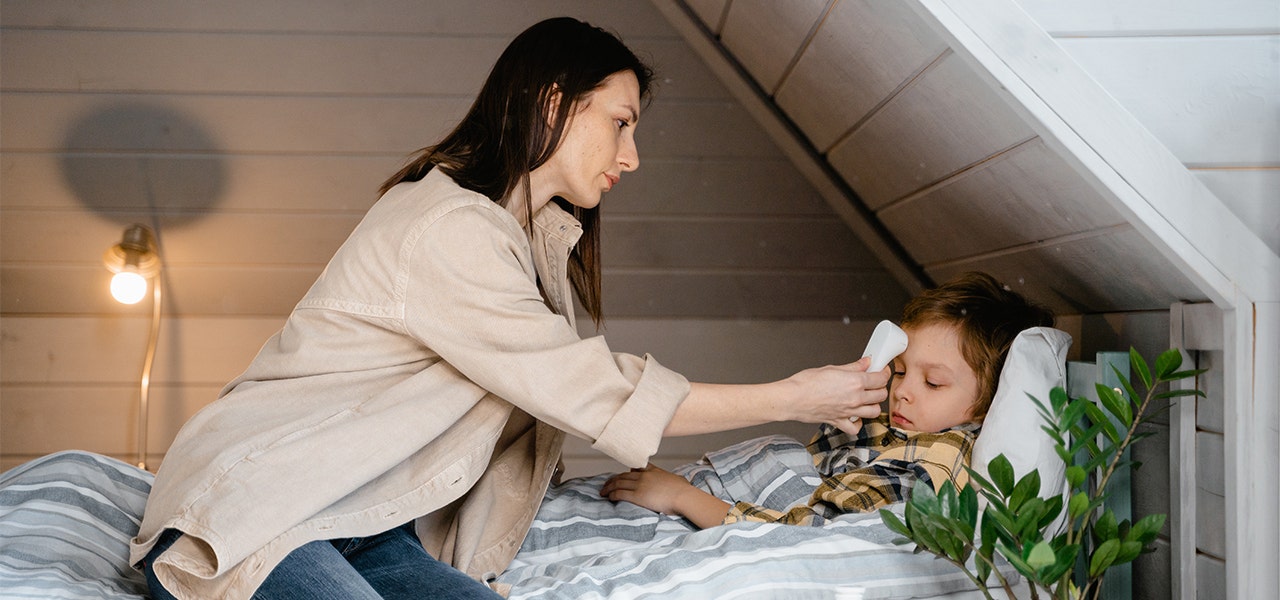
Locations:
{"points": [[66, 520], [583, 546], [65, 524]]}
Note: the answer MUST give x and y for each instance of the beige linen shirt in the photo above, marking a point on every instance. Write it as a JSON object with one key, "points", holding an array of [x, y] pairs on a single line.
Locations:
{"points": [[423, 376]]}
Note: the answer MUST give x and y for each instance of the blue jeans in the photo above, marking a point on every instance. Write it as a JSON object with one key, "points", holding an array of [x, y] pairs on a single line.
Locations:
{"points": [[392, 564]]}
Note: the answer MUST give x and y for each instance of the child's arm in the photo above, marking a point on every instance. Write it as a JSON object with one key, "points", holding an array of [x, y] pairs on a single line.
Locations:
{"points": [[664, 492]]}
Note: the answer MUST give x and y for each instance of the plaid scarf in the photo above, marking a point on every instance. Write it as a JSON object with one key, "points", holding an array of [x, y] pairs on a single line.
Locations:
{"points": [[877, 467]]}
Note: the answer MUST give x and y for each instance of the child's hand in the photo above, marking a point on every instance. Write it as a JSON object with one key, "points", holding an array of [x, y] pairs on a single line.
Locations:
{"points": [[650, 487], [668, 493]]}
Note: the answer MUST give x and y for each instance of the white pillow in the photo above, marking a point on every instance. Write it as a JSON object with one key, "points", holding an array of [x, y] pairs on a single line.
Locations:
{"points": [[1035, 365]]}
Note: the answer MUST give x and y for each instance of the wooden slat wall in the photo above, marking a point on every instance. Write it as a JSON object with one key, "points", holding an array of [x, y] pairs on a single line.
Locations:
{"points": [[1204, 78], [255, 134]]}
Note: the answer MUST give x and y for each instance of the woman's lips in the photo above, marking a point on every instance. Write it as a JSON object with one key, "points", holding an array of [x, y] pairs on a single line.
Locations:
{"points": [[613, 180]]}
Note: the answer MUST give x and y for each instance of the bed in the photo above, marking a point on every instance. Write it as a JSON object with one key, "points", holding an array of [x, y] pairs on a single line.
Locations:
{"points": [[66, 520]]}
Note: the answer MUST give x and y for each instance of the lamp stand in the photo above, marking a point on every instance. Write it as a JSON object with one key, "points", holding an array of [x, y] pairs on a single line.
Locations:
{"points": [[145, 380]]}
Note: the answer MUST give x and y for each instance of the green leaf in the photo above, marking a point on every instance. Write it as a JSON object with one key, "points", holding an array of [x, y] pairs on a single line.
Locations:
{"points": [[1101, 421], [1001, 474], [1015, 559], [1147, 529], [1103, 557], [1185, 374], [1105, 527], [1127, 552], [1115, 404], [1140, 367], [1041, 556], [1052, 507], [1027, 487], [1075, 476], [1078, 505], [1167, 363], [969, 508], [894, 524], [1058, 399], [1135, 399]]}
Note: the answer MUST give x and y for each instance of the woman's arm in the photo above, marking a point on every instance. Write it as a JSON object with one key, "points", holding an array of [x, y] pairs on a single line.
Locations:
{"points": [[833, 394], [667, 493]]}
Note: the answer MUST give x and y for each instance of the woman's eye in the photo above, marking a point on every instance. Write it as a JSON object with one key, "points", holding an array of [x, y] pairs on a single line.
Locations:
{"points": [[621, 123], [932, 385]]}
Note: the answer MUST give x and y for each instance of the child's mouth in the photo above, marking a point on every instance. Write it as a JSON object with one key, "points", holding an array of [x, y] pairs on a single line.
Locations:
{"points": [[900, 420]]}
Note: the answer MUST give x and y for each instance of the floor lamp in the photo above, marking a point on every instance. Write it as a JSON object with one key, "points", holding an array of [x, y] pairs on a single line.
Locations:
{"points": [[135, 261]]}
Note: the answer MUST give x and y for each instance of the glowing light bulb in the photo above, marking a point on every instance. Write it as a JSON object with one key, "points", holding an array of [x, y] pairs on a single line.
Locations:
{"points": [[128, 287]]}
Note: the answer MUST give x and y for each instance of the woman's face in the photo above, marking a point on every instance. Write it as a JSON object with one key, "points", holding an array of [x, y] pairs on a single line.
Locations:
{"points": [[933, 388], [597, 147]]}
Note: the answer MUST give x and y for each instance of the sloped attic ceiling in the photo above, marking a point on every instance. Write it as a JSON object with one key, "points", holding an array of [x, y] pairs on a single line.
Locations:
{"points": [[928, 155]]}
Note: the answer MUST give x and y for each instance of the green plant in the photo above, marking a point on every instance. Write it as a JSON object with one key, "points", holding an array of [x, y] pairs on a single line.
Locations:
{"points": [[1017, 522]]}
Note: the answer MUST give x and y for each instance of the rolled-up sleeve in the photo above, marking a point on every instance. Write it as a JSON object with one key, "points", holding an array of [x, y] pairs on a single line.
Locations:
{"points": [[470, 296]]}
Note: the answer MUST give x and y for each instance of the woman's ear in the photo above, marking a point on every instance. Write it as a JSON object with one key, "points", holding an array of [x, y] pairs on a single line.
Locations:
{"points": [[553, 104]]}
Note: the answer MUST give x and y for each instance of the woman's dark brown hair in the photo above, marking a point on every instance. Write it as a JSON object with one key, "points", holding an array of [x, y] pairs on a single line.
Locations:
{"points": [[987, 316], [506, 135]]}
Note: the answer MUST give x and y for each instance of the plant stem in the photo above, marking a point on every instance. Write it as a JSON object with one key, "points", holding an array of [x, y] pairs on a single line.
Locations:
{"points": [[1128, 438]]}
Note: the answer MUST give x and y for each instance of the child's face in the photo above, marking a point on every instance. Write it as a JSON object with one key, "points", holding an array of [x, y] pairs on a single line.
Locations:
{"points": [[933, 388]]}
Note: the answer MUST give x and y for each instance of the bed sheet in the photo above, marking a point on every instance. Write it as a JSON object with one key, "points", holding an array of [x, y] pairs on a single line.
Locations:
{"points": [[582, 546], [66, 520]]}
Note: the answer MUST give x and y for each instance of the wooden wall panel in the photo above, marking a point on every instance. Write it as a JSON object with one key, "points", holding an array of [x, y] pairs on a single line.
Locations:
{"points": [[710, 12], [1030, 181], [1251, 195], [255, 135], [864, 51], [1153, 17], [442, 17], [948, 119], [778, 294], [1204, 113], [1112, 267], [767, 37]]}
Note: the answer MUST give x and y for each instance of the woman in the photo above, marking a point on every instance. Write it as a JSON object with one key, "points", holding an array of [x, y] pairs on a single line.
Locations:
{"points": [[397, 435]]}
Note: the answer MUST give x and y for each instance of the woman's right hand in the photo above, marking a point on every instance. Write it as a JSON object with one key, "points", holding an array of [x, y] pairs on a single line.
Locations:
{"points": [[840, 395]]}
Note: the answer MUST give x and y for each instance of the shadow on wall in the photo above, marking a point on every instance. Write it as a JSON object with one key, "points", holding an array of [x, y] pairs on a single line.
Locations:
{"points": [[136, 162]]}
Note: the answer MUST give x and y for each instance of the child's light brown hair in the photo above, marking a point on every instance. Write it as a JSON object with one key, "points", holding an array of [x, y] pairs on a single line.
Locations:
{"points": [[987, 316]]}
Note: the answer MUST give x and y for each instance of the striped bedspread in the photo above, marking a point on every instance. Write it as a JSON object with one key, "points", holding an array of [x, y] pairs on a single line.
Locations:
{"points": [[65, 524], [582, 546], [66, 520]]}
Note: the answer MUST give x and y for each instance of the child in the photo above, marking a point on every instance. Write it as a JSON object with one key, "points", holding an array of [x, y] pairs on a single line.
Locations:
{"points": [[942, 385]]}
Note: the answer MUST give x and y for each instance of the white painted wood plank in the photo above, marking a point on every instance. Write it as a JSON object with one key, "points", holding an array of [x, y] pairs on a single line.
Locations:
{"points": [[1025, 195], [748, 295], [1183, 470], [109, 350], [767, 36], [48, 60], [1209, 463], [864, 51], [1211, 529], [1153, 17], [819, 243], [946, 120], [1213, 583], [1080, 274], [1104, 143], [1252, 194], [273, 291], [323, 125], [37, 420], [1212, 100], [447, 17], [326, 184], [1211, 410], [238, 291]]}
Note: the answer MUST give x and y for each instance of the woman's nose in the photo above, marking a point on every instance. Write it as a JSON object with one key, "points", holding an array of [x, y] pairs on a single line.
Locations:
{"points": [[629, 155]]}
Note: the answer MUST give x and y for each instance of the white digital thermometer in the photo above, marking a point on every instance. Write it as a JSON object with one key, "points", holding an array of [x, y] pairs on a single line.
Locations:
{"points": [[887, 342]]}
